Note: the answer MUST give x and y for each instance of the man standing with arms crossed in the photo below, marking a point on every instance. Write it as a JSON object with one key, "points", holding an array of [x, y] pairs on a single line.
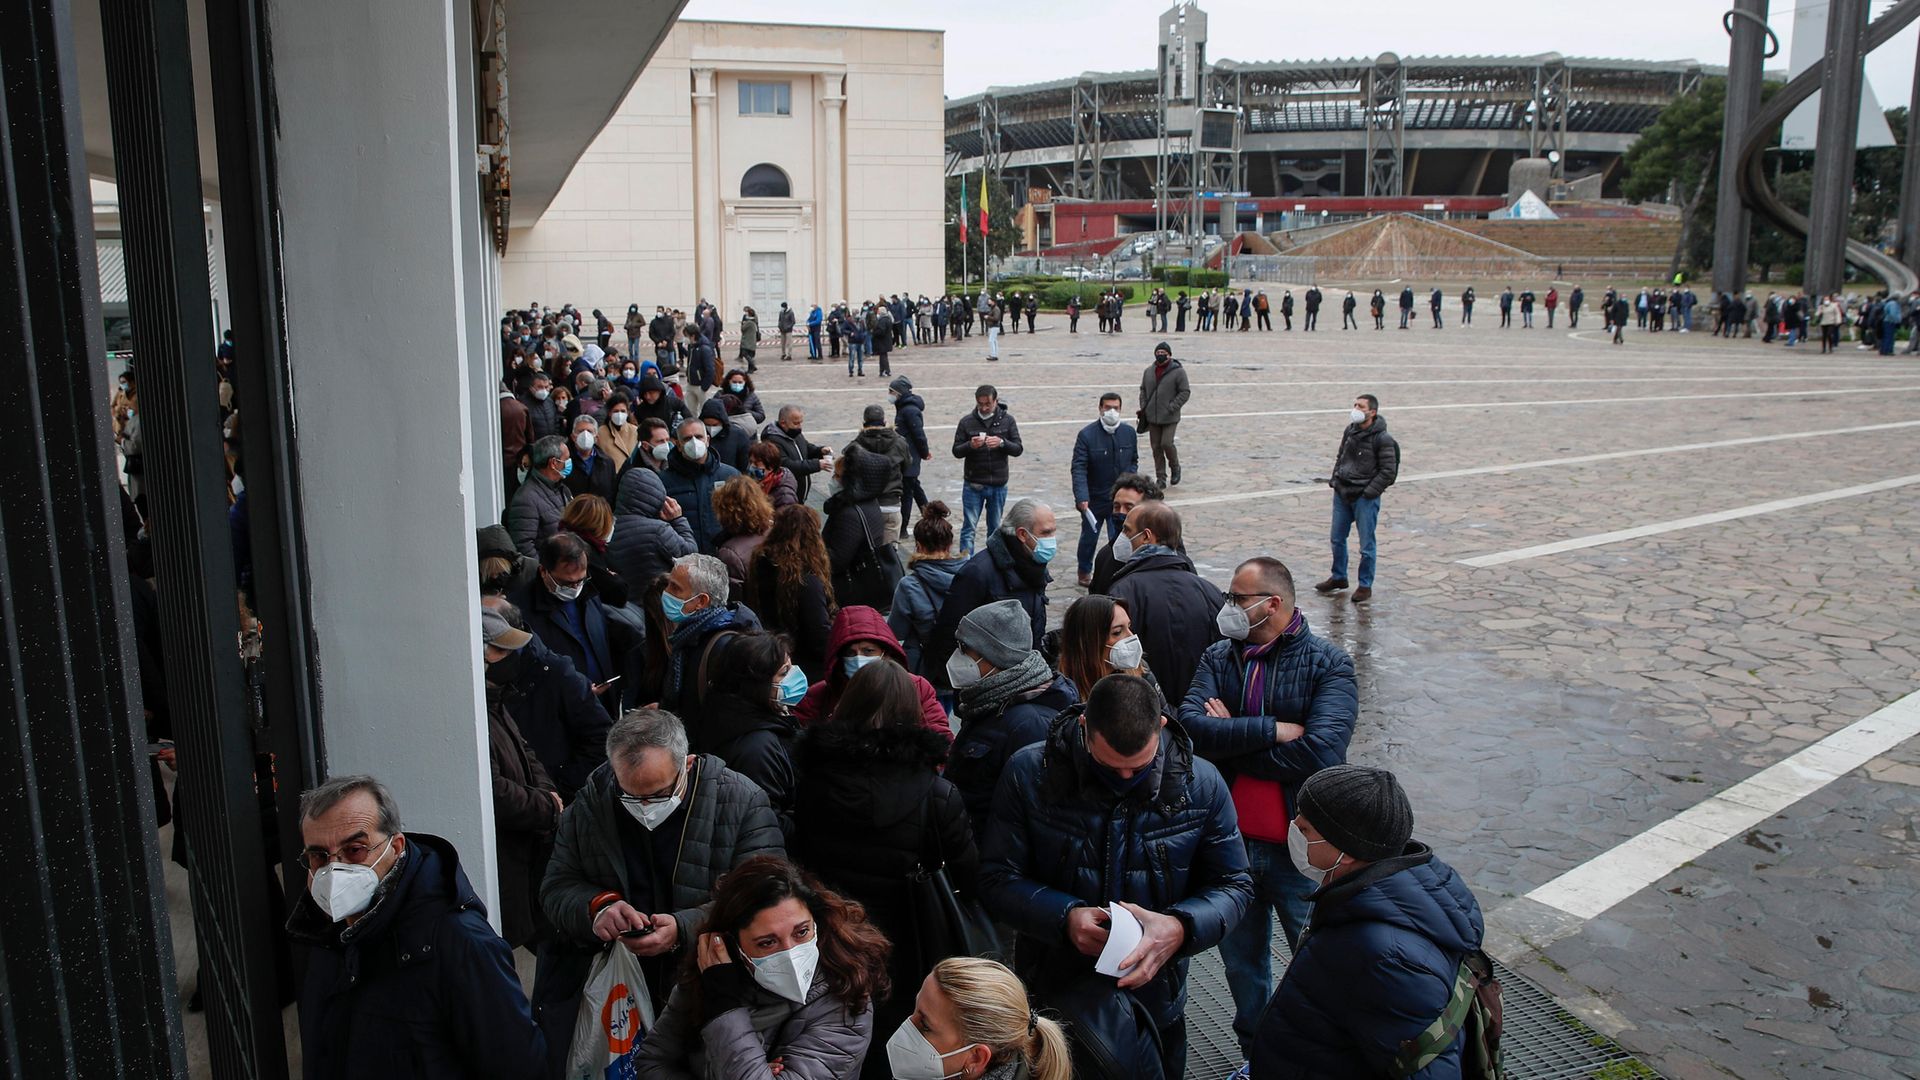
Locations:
{"points": [[1366, 465]]}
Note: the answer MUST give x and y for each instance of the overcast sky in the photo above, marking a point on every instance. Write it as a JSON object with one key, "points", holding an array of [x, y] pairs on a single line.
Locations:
{"points": [[1007, 42]]}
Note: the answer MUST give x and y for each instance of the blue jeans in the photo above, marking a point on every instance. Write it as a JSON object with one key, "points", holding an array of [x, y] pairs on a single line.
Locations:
{"points": [[1090, 538], [1277, 886], [973, 498], [1364, 513], [856, 357]]}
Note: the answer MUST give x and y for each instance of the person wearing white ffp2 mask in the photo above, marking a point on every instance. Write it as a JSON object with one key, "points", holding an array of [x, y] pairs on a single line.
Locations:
{"points": [[390, 918], [972, 1018], [785, 972]]}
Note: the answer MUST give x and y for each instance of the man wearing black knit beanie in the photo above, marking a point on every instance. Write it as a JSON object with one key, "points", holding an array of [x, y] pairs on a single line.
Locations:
{"points": [[1391, 926]]}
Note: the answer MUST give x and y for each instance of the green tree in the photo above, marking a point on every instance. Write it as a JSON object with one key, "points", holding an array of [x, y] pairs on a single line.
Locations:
{"points": [[1001, 234], [1677, 158]]}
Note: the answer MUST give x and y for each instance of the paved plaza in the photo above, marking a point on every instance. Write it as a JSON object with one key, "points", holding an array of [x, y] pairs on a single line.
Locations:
{"points": [[1616, 584]]}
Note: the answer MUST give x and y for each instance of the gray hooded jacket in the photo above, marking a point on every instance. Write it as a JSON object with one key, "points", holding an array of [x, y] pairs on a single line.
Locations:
{"points": [[643, 546]]}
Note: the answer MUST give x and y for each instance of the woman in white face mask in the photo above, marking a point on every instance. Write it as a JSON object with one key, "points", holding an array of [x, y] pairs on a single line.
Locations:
{"points": [[1097, 640], [972, 1021], [787, 971]]}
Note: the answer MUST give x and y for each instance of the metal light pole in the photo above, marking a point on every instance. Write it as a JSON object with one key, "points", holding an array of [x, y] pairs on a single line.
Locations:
{"points": [[1833, 157], [1733, 222]]}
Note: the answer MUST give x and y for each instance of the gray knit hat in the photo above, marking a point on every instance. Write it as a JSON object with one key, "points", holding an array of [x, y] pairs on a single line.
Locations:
{"points": [[1361, 811], [900, 384], [1002, 632]]}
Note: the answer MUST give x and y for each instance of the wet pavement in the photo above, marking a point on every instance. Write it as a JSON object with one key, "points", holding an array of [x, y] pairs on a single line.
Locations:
{"points": [[1543, 710]]}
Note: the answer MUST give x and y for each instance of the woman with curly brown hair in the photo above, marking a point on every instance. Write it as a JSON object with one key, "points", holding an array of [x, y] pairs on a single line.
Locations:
{"points": [[745, 515], [788, 586], [786, 972]]}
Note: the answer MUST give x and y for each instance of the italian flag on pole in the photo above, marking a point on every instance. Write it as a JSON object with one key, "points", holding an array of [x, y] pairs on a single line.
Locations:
{"points": [[963, 209]]}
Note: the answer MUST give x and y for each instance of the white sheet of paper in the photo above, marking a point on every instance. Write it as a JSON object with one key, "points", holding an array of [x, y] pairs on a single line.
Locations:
{"points": [[1123, 936], [1092, 525]]}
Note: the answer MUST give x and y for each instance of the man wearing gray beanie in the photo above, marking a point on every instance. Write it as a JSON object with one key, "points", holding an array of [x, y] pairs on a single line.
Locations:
{"points": [[1006, 696], [1391, 928]]}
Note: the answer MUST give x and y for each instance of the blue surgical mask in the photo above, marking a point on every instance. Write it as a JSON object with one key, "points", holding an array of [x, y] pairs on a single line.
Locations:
{"points": [[852, 664], [674, 608], [793, 686], [567, 469], [1044, 548]]}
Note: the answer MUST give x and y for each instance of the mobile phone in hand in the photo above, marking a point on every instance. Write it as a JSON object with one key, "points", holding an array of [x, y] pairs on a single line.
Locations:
{"points": [[640, 933]]}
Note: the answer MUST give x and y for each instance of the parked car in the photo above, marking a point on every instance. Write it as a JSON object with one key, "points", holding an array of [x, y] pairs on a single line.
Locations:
{"points": [[1080, 273]]}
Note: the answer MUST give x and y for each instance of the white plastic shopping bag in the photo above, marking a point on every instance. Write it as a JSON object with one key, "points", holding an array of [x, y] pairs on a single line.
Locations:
{"points": [[616, 1012]]}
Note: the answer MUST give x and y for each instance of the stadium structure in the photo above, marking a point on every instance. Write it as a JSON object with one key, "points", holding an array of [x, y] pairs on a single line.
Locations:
{"points": [[1198, 146]]}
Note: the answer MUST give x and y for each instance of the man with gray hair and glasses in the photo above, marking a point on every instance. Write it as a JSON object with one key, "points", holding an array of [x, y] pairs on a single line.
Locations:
{"points": [[404, 967], [636, 859]]}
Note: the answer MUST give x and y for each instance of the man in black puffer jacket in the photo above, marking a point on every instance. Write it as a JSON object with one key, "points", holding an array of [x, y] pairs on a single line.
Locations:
{"points": [[1173, 608], [1012, 566], [909, 419], [408, 982], [1114, 806], [984, 440], [1366, 465], [641, 849]]}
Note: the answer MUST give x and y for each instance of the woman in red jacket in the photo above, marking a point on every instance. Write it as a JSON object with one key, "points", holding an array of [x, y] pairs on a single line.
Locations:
{"points": [[859, 636]]}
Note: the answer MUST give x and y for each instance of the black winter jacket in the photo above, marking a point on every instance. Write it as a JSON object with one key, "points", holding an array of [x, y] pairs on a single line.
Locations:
{"points": [[754, 741], [691, 484], [1367, 462], [797, 455], [524, 816], [983, 465], [535, 512], [909, 419], [726, 819], [730, 446], [419, 988], [1060, 838], [557, 713], [985, 743], [1002, 570], [889, 446], [1174, 611], [644, 547]]}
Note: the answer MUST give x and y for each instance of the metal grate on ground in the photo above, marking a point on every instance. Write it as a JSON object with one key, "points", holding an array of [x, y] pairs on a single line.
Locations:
{"points": [[1542, 1041]]}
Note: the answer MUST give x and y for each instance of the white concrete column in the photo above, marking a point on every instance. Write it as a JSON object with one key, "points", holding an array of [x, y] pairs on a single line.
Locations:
{"points": [[483, 308], [373, 174], [832, 221], [706, 189]]}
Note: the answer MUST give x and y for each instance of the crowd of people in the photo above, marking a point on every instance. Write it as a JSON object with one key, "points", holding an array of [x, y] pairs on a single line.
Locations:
{"points": [[854, 811], [1873, 321]]}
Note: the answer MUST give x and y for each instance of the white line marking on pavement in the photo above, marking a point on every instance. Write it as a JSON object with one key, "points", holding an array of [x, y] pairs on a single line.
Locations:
{"points": [[1251, 384], [1082, 421], [1638, 531], [1544, 463], [1599, 883]]}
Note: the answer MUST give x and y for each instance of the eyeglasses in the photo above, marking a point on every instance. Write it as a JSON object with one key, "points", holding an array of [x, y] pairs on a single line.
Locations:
{"points": [[658, 796], [353, 851], [1241, 598]]}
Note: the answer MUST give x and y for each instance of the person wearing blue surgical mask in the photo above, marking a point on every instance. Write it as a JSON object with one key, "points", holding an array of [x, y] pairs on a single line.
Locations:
{"points": [[785, 972], [744, 717], [1011, 566]]}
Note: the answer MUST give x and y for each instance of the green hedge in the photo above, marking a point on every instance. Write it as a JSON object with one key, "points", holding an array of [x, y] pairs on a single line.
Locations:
{"points": [[1178, 275], [1054, 297], [1207, 279]]}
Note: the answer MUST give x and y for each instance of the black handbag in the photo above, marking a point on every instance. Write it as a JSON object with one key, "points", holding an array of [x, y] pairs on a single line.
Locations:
{"points": [[872, 577], [945, 923]]}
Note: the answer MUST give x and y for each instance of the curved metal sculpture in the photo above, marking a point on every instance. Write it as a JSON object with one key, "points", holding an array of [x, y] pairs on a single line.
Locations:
{"points": [[1760, 196]]}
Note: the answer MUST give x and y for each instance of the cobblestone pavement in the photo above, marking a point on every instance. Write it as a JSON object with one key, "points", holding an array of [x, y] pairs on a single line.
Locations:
{"points": [[1542, 711]]}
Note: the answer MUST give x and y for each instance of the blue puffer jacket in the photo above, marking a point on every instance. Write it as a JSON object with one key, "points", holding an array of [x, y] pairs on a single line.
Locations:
{"points": [[1310, 684], [1376, 967], [644, 547], [692, 485], [1060, 838], [981, 750], [420, 988], [916, 607]]}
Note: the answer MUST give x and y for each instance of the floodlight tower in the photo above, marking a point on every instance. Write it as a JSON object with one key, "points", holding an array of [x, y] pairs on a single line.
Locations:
{"points": [[1183, 68]]}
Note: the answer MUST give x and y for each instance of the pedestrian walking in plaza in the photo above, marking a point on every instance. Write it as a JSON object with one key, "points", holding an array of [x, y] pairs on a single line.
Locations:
{"points": [[1271, 705], [1396, 939], [984, 440], [1553, 302], [1506, 308], [1378, 306], [1102, 452], [1406, 305], [1115, 784], [1433, 305], [1313, 307], [1164, 390], [1574, 300], [1365, 466], [1619, 317], [1466, 306], [1346, 312], [749, 339]]}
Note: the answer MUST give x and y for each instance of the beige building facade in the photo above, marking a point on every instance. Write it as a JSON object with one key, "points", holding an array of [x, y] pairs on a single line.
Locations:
{"points": [[749, 165]]}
